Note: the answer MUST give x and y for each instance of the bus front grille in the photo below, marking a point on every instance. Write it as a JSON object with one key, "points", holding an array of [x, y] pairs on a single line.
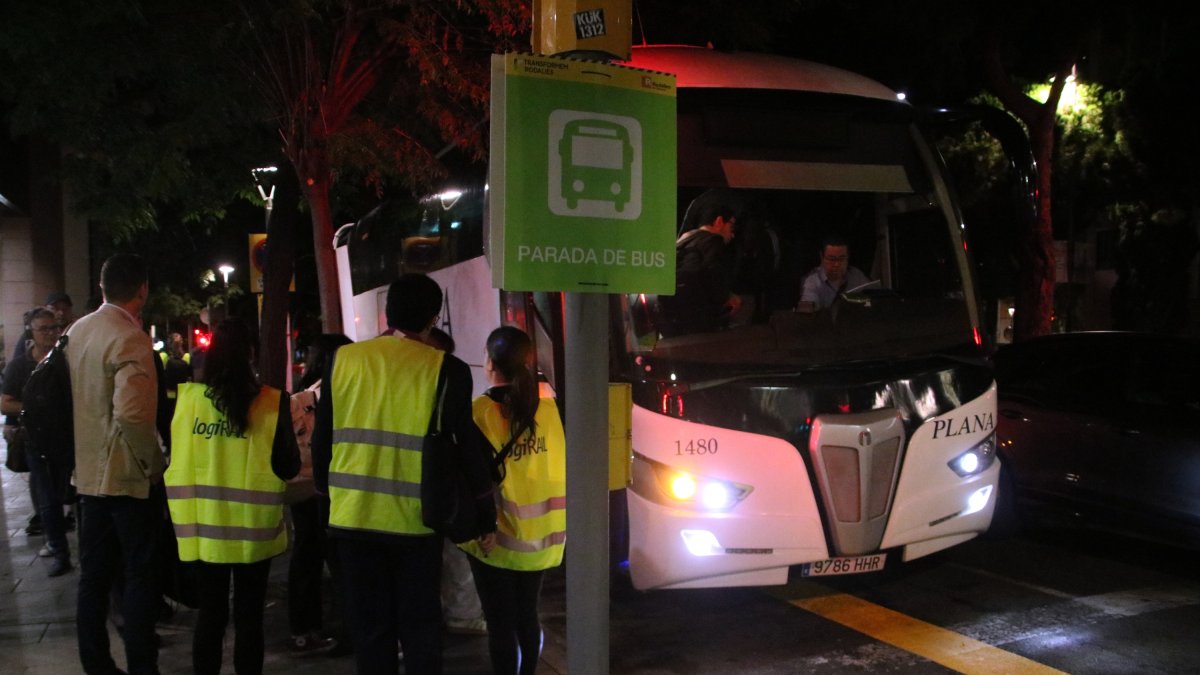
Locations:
{"points": [[856, 458]]}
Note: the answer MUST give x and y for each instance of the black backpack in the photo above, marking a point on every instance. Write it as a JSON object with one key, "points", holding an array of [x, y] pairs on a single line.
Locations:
{"points": [[447, 502], [46, 416]]}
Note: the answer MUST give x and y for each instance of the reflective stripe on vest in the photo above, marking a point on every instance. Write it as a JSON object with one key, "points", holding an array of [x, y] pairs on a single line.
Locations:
{"points": [[531, 502], [226, 501], [229, 532], [382, 392], [387, 439], [225, 494], [533, 510], [385, 486], [508, 541]]}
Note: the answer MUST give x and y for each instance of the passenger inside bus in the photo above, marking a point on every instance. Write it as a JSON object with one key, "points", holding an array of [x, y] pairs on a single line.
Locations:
{"points": [[704, 300]]}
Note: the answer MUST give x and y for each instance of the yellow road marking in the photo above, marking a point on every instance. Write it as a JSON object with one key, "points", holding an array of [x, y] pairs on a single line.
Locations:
{"points": [[945, 647]]}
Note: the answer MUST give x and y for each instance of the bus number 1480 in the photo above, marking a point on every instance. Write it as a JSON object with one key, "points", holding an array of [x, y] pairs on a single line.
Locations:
{"points": [[696, 446]]}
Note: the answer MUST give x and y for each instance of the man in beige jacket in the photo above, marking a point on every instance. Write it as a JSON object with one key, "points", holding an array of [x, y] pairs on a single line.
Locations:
{"points": [[117, 461]]}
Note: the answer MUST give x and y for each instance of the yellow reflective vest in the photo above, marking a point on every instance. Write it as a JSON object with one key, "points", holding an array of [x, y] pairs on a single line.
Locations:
{"points": [[226, 501], [382, 392], [531, 505]]}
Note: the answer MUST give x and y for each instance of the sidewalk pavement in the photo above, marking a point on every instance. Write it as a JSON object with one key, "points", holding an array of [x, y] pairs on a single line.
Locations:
{"points": [[37, 614]]}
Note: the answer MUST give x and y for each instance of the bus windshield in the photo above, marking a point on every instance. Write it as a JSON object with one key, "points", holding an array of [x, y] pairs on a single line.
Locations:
{"points": [[859, 173], [425, 235]]}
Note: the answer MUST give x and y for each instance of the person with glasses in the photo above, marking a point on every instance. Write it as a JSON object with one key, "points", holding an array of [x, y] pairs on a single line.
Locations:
{"points": [[43, 325], [833, 275], [59, 304]]}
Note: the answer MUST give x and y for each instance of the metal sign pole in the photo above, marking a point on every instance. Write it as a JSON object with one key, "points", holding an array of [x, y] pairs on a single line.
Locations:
{"points": [[595, 27], [587, 481]]}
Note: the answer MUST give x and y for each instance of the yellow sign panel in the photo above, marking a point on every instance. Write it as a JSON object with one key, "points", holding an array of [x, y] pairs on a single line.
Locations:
{"points": [[602, 26], [620, 443], [568, 70], [258, 261], [258, 264]]}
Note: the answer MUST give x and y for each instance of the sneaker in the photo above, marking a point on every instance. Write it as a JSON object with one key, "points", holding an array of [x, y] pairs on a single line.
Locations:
{"points": [[303, 645], [34, 528], [477, 626], [46, 552], [340, 648], [59, 567]]}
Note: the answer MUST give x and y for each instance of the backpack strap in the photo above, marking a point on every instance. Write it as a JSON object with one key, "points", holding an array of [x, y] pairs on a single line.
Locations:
{"points": [[498, 469], [687, 239], [435, 424]]}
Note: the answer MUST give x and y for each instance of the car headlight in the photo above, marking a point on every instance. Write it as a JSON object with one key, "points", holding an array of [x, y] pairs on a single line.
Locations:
{"points": [[677, 487], [975, 459]]}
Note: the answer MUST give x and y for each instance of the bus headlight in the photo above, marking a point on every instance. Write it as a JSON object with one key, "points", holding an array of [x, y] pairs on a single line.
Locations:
{"points": [[976, 459], [683, 487], [716, 496], [675, 487]]}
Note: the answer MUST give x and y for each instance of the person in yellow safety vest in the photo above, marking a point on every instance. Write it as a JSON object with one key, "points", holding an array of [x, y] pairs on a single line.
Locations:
{"points": [[374, 412], [233, 448], [527, 435]]}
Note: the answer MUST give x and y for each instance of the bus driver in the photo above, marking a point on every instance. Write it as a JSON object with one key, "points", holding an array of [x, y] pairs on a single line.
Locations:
{"points": [[834, 275]]}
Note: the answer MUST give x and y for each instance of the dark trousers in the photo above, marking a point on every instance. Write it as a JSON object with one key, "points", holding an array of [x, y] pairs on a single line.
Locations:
{"points": [[35, 486], [46, 483], [249, 599], [309, 553], [510, 605], [118, 537], [392, 589]]}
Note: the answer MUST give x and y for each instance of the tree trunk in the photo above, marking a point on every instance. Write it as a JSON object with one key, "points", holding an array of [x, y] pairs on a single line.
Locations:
{"points": [[1035, 298], [277, 276], [1035, 294], [316, 191]]}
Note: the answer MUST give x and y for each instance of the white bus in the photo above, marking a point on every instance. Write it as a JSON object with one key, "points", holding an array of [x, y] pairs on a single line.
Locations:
{"points": [[826, 441]]}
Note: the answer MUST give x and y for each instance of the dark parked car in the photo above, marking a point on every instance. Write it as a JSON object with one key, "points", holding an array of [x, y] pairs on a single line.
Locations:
{"points": [[1104, 429]]}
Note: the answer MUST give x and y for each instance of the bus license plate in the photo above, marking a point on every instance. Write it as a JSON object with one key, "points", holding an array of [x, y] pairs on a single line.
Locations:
{"points": [[847, 565]]}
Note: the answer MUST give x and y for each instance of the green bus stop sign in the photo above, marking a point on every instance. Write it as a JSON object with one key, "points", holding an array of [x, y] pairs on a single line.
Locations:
{"points": [[582, 177]]}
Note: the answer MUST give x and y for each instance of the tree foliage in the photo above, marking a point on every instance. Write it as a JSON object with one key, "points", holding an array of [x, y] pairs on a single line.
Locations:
{"points": [[144, 111], [162, 108], [373, 88], [155, 127], [1104, 180]]}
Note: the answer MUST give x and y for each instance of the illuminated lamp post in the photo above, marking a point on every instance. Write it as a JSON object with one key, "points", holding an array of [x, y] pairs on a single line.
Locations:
{"points": [[264, 180]]}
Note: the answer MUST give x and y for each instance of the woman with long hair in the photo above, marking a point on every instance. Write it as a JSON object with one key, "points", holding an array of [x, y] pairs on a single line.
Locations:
{"points": [[526, 433], [232, 450]]}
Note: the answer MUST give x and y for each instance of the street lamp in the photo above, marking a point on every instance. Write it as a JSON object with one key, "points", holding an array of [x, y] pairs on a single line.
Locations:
{"points": [[225, 269], [264, 180]]}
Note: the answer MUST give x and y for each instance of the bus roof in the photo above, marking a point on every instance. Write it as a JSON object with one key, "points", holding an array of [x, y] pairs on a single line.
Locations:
{"points": [[701, 67]]}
